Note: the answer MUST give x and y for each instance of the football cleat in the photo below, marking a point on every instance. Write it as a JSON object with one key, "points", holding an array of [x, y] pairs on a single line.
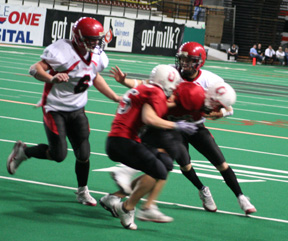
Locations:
{"points": [[207, 200], [153, 215], [83, 196], [126, 218], [108, 201], [245, 205], [123, 177], [16, 157]]}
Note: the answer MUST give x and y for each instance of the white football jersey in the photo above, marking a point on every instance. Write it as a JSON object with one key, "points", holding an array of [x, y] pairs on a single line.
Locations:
{"points": [[71, 95], [206, 78]]}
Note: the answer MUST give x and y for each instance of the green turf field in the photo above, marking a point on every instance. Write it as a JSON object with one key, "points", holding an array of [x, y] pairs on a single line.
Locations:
{"points": [[38, 202]]}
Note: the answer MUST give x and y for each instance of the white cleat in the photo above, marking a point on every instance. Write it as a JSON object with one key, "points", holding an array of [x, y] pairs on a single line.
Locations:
{"points": [[16, 157], [108, 201], [245, 205], [153, 214], [127, 218], [84, 197], [207, 200], [123, 177]]}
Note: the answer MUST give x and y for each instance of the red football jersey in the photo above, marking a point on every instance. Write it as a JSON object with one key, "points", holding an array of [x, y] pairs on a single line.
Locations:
{"points": [[128, 121], [190, 99]]}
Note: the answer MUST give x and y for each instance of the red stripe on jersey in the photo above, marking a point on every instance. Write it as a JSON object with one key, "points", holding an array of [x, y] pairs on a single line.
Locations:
{"points": [[94, 63], [48, 119], [47, 89], [284, 38], [71, 67], [50, 122]]}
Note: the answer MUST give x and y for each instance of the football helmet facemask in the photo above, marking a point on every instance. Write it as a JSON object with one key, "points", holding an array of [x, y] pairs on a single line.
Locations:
{"points": [[88, 34], [190, 58], [219, 95], [166, 77]]}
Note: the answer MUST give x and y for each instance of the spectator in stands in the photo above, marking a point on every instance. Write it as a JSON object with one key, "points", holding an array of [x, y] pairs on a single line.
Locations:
{"points": [[254, 54], [197, 9], [270, 55], [286, 56], [280, 56], [259, 50], [232, 51]]}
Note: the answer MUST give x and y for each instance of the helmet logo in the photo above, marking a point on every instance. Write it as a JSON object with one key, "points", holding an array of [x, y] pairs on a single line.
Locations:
{"points": [[220, 90], [171, 76]]}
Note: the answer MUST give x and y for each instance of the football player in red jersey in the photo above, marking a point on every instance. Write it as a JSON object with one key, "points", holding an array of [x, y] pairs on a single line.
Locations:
{"points": [[143, 105], [73, 66], [190, 58]]}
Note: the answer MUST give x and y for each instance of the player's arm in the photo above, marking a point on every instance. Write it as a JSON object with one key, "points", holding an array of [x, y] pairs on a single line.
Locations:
{"points": [[149, 117], [39, 72], [224, 112], [101, 85], [120, 77]]}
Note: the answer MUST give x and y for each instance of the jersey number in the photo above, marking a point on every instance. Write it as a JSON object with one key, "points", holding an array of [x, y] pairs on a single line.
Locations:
{"points": [[82, 85], [125, 104]]}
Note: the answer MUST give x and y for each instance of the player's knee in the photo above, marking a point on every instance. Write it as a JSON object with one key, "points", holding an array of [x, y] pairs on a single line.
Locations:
{"points": [[222, 167], [83, 157], [166, 160], [57, 154], [83, 161], [186, 168], [162, 175], [159, 171], [58, 157]]}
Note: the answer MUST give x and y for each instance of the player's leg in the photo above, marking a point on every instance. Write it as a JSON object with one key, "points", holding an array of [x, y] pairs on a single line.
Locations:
{"points": [[204, 142], [149, 211], [139, 157], [78, 134], [177, 148], [56, 150]]}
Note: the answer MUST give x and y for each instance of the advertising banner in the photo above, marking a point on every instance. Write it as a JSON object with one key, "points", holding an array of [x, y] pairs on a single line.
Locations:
{"points": [[120, 34], [157, 38], [22, 25], [59, 24]]}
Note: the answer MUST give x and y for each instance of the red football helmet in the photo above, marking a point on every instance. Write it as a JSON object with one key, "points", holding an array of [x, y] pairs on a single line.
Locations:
{"points": [[88, 34], [190, 57]]}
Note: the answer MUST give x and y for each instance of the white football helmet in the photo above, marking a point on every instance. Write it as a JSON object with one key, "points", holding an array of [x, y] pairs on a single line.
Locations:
{"points": [[166, 77], [219, 95]]}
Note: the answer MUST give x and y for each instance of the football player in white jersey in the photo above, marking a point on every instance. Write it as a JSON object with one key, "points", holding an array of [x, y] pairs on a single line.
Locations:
{"points": [[68, 68], [190, 58]]}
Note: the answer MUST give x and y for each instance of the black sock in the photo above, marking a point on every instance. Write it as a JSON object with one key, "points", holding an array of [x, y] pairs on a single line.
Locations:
{"points": [[39, 151], [192, 177], [82, 172], [231, 180]]}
